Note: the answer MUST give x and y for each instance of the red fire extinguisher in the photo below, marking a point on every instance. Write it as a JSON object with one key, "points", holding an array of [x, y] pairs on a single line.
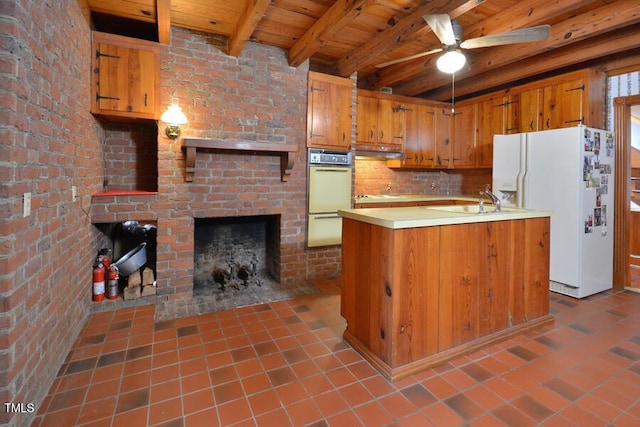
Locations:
{"points": [[98, 282], [112, 277]]}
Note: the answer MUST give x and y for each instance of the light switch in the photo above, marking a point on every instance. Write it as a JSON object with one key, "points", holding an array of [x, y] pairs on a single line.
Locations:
{"points": [[26, 210]]}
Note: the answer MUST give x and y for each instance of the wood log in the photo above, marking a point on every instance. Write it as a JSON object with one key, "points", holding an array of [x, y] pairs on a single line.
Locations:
{"points": [[147, 277], [134, 279], [131, 292], [148, 290]]}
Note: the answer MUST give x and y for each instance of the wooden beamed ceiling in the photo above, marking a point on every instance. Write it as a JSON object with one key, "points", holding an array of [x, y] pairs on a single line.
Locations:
{"points": [[347, 36]]}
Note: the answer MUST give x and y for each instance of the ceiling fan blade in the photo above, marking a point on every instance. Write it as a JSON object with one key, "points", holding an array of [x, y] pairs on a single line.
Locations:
{"points": [[533, 34], [441, 26], [407, 58]]}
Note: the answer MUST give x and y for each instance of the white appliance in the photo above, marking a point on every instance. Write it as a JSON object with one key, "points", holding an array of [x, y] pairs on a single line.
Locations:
{"points": [[569, 171], [329, 189]]}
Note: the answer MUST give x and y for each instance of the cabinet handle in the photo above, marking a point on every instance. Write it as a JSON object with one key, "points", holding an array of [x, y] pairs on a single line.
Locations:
{"points": [[381, 134], [344, 137], [106, 55], [547, 122], [575, 88], [371, 135], [145, 99], [575, 121], [311, 135], [99, 97], [531, 125]]}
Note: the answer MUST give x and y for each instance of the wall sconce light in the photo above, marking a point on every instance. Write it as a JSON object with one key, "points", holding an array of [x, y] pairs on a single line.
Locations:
{"points": [[174, 118]]}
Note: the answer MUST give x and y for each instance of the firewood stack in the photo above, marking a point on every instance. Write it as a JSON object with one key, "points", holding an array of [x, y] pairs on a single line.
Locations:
{"points": [[138, 286]]}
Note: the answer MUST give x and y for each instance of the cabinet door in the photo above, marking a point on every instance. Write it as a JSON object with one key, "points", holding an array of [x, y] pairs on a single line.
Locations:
{"points": [[530, 110], [367, 120], [562, 104], [391, 122], [420, 134], [412, 136], [491, 121], [512, 114], [328, 112], [464, 136], [572, 100], [443, 138], [127, 79]]}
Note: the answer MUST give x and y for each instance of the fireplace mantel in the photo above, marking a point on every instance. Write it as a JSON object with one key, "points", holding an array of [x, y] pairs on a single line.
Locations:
{"points": [[191, 145]]}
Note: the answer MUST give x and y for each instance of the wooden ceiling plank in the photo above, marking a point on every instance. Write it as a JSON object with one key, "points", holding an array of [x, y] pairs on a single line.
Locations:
{"points": [[508, 19], [163, 11], [523, 14], [247, 24], [141, 10], [382, 43], [593, 23], [337, 17], [584, 51]]}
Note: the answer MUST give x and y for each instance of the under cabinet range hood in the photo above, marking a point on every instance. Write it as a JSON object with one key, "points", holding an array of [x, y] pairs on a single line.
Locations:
{"points": [[377, 152]]}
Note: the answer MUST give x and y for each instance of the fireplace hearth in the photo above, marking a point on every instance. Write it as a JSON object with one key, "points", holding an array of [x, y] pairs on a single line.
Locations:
{"points": [[237, 263]]}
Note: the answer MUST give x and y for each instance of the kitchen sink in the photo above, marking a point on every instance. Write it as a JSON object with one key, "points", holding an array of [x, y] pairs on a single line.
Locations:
{"points": [[471, 209]]}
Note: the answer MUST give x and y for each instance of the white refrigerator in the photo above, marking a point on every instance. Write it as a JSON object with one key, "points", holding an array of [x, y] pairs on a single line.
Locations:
{"points": [[569, 171]]}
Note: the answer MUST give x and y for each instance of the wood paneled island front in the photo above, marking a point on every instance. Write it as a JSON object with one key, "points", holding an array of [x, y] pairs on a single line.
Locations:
{"points": [[422, 285]]}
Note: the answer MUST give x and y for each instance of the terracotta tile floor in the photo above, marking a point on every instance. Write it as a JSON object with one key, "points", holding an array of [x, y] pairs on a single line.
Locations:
{"points": [[285, 364]]}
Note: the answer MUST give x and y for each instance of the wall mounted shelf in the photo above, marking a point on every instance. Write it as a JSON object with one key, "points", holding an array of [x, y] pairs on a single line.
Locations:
{"points": [[192, 145]]}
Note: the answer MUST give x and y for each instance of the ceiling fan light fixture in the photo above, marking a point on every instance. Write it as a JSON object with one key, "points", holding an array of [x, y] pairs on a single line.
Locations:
{"points": [[451, 61]]}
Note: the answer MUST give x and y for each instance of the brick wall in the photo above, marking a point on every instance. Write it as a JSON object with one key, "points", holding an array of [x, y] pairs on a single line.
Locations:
{"points": [[255, 97], [130, 157], [50, 142], [373, 177]]}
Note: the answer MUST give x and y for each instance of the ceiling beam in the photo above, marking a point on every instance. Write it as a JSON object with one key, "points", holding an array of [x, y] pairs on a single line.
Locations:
{"points": [[163, 12], [591, 24], [588, 50], [523, 14], [342, 13], [382, 43], [247, 23]]}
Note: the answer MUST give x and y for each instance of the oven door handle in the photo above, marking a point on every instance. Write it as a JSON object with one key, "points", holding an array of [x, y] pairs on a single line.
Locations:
{"points": [[321, 169], [326, 217]]}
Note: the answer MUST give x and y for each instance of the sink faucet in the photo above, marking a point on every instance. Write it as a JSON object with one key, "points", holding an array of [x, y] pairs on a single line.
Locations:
{"points": [[494, 200]]}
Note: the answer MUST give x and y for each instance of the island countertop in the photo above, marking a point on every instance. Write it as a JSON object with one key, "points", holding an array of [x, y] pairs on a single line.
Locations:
{"points": [[428, 216]]}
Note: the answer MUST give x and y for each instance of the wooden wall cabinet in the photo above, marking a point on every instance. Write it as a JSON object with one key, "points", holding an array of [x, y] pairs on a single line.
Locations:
{"points": [[420, 136], [496, 115], [438, 138], [380, 121], [125, 77], [444, 127], [530, 108], [557, 102], [464, 150], [329, 113]]}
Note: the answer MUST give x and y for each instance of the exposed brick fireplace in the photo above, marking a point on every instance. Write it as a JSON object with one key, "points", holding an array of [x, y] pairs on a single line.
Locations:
{"points": [[237, 263], [240, 100]]}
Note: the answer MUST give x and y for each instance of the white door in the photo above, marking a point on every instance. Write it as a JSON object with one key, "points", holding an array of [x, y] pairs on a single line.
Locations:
{"points": [[553, 181]]}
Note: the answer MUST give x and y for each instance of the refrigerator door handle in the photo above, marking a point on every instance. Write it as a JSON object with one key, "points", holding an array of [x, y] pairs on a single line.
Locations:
{"points": [[523, 174]]}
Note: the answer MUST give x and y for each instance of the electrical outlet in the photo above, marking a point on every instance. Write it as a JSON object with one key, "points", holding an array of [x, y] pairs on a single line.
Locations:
{"points": [[26, 207], [74, 193]]}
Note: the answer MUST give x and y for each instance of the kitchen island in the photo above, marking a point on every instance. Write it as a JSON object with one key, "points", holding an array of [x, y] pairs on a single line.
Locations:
{"points": [[422, 285]]}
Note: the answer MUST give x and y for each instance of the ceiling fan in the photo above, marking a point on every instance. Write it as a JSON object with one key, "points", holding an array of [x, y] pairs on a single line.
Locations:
{"points": [[450, 34]]}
